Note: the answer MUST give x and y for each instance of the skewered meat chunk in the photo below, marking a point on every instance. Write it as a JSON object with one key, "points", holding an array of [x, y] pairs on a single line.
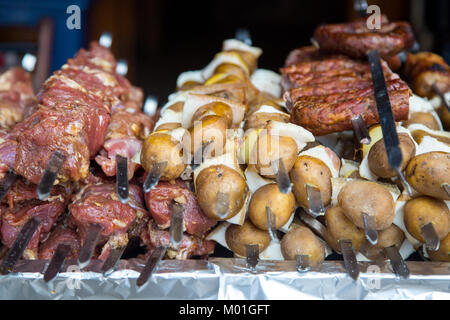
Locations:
{"points": [[190, 246], [73, 115], [23, 205], [16, 96], [425, 69], [60, 235], [99, 204], [356, 40], [159, 201]]}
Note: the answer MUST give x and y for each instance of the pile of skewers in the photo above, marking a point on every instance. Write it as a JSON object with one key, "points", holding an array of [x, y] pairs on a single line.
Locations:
{"points": [[348, 158]]}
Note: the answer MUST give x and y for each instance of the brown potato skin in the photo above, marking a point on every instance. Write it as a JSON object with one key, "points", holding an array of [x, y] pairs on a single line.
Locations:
{"points": [[443, 254], [168, 126], [378, 162], [259, 120], [210, 128], [159, 147], [282, 206], [369, 197], [427, 172], [301, 241], [217, 178], [425, 118], [237, 237], [310, 170], [341, 228], [423, 210], [214, 108], [268, 149], [392, 236]]}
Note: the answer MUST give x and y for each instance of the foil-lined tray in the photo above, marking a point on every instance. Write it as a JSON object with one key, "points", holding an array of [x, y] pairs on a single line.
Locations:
{"points": [[227, 278]]}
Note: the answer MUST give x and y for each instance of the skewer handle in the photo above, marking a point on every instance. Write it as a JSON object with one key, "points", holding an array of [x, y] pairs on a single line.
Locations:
{"points": [[350, 262], [151, 265], [252, 255]]}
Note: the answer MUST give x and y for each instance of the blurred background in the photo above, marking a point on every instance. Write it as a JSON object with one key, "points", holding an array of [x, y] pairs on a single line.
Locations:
{"points": [[162, 38]]}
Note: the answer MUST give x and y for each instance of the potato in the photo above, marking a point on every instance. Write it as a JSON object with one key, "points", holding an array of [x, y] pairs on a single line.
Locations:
{"points": [[310, 170], [423, 210], [177, 106], [264, 101], [237, 237], [160, 147], [425, 118], [250, 60], [220, 178], [212, 129], [214, 108], [282, 206], [392, 236], [259, 120], [301, 241], [427, 172], [272, 148], [368, 197], [341, 228], [378, 162], [443, 254]]}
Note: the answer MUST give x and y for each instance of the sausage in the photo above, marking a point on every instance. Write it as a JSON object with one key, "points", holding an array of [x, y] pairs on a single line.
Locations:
{"points": [[356, 40], [159, 200]]}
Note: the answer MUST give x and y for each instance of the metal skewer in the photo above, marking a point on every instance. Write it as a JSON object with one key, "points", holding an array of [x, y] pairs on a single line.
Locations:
{"points": [[282, 177], [154, 175], [446, 187], [199, 155], [350, 262], [390, 136], [303, 264], [252, 255], [19, 245], [360, 129], [51, 172], [271, 224], [432, 240], [122, 178], [113, 259], [56, 262], [369, 228], [397, 262], [93, 234], [151, 265], [176, 224], [315, 203], [243, 35], [6, 183], [360, 7]]}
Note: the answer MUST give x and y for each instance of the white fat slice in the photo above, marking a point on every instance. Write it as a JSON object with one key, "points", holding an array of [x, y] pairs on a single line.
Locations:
{"points": [[221, 58], [364, 169], [174, 98], [267, 81], [218, 234], [234, 44], [298, 133], [430, 144], [348, 167], [432, 133], [287, 225], [137, 157], [177, 134], [327, 156], [419, 104], [269, 109], [169, 116], [338, 183], [272, 252], [399, 222], [254, 180], [194, 76], [436, 101], [195, 101]]}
